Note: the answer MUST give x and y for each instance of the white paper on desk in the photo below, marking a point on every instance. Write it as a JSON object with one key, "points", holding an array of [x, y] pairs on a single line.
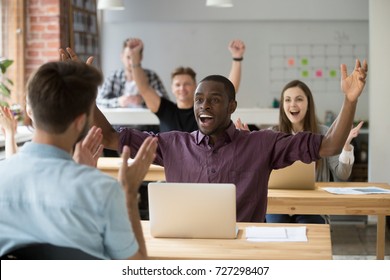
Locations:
{"points": [[357, 190], [276, 234]]}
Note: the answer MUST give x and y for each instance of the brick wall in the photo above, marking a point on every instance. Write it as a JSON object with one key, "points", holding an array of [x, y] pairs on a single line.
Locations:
{"points": [[47, 30]]}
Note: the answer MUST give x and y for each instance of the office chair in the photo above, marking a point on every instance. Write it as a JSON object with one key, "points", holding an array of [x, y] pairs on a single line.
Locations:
{"points": [[44, 251]]}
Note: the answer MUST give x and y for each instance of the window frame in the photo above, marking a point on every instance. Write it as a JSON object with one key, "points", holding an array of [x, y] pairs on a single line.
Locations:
{"points": [[13, 45]]}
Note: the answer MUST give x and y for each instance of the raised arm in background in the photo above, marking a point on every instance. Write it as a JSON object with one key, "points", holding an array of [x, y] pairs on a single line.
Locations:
{"points": [[237, 49], [110, 135], [148, 93], [352, 86], [8, 126]]}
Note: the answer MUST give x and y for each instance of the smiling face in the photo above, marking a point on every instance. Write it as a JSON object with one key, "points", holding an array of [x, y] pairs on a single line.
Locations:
{"points": [[295, 106], [213, 108], [183, 87]]}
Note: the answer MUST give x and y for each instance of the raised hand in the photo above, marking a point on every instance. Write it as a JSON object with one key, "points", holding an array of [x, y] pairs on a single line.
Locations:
{"points": [[8, 122], [131, 176], [8, 125], [136, 46], [69, 54], [353, 85], [88, 150], [240, 125], [237, 48], [352, 134]]}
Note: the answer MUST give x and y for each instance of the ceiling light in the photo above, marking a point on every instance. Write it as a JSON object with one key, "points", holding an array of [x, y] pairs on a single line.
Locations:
{"points": [[111, 5], [219, 3]]}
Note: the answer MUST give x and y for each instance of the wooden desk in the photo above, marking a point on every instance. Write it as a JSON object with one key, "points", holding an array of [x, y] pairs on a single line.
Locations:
{"points": [[110, 166], [316, 201], [319, 201], [317, 247]]}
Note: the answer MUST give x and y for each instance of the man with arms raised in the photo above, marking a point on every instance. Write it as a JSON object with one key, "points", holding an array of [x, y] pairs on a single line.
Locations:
{"points": [[220, 153]]}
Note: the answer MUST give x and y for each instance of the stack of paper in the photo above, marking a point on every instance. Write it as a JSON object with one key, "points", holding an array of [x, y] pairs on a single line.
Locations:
{"points": [[357, 190], [276, 234]]}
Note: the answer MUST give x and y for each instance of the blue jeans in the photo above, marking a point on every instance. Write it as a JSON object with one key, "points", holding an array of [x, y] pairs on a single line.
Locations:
{"points": [[298, 219]]}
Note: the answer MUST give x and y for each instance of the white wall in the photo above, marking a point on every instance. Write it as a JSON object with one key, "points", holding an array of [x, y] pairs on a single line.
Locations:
{"points": [[186, 32], [379, 73]]}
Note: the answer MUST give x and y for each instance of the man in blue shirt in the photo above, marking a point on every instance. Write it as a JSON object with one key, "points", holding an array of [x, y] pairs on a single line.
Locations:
{"points": [[46, 197]]}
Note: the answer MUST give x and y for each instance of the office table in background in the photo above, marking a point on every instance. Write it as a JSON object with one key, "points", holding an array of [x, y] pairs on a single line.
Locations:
{"points": [[110, 166], [318, 246], [319, 201], [141, 116]]}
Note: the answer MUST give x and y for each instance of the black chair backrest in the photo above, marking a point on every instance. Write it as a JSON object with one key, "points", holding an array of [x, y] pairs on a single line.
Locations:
{"points": [[47, 252]]}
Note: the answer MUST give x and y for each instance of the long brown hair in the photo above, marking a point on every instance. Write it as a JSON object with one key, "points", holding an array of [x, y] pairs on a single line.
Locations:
{"points": [[310, 122]]}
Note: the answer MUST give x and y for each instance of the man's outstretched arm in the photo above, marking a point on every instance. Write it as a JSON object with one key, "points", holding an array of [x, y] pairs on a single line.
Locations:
{"points": [[352, 86], [110, 135]]}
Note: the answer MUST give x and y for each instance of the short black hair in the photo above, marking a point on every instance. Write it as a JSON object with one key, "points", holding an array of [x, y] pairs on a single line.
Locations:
{"points": [[229, 87]]}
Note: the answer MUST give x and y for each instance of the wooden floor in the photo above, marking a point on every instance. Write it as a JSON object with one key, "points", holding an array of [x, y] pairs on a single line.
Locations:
{"points": [[356, 242]]}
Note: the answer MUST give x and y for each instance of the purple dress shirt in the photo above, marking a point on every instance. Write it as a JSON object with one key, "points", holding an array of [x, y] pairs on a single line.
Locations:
{"points": [[243, 158]]}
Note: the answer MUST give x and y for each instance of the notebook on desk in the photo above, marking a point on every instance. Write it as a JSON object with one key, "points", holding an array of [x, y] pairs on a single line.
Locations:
{"points": [[298, 176], [192, 210]]}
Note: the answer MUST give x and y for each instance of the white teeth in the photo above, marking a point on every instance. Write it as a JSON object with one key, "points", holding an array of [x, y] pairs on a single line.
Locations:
{"points": [[205, 116]]}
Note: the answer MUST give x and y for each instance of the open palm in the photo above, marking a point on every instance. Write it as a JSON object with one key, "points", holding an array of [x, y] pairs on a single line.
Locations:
{"points": [[353, 85]]}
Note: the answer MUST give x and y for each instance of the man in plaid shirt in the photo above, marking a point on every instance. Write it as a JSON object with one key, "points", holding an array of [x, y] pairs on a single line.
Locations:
{"points": [[120, 90]]}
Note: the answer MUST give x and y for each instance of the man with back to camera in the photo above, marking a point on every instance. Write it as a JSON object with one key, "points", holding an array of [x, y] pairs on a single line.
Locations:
{"points": [[45, 197], [219, 153]]}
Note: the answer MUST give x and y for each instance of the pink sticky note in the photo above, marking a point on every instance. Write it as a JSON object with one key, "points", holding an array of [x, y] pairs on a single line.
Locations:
{"points": [[319, 73]]}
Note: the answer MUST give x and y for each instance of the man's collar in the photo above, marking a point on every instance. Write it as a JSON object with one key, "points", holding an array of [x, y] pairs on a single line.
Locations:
{"points": [[229, 133]]}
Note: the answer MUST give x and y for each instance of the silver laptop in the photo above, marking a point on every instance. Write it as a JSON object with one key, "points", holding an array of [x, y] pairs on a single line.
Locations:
{"points": [[192, 210], [298, 176]]}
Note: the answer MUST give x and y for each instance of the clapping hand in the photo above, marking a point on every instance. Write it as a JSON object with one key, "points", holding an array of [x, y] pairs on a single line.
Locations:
{"points": [[88, 150], [131, 176], [8, 122]]}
